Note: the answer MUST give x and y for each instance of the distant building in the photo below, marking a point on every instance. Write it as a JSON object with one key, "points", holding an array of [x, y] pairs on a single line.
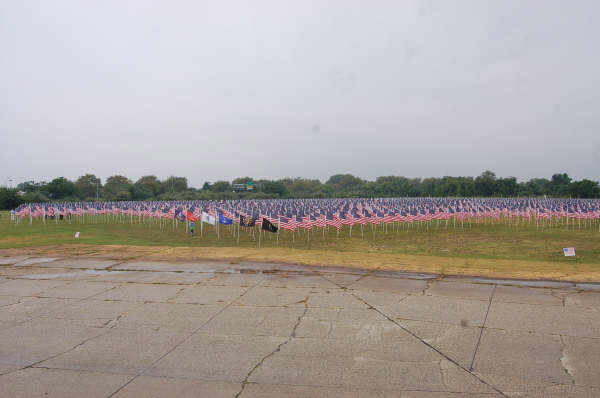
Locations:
{"points": [[249, 186]]}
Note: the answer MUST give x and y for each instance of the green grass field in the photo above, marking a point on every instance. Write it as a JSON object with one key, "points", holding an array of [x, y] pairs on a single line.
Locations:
{"points": [[523, 250]]}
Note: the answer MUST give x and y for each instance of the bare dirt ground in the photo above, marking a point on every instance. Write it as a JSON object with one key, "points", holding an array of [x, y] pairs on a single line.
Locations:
{"points": [[116, 326]]}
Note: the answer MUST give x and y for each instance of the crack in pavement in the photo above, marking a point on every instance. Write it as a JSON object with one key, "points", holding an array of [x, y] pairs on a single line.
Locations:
{"points": [[481, 330], [413, 334], [33, 365], [116, 319], [183, 340], [277, 349], [564, 361], [45, 314]]}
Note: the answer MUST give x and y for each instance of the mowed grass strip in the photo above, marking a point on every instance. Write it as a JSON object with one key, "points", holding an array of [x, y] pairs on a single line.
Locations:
{"points": [[482, 249]]}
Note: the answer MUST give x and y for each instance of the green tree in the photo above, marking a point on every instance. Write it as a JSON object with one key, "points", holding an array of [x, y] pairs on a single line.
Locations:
{"points": [[89, 186], [559, 184], [346, 183], [302, 187], [274, 188], [61, 187], [152, 183], [141, 191], [242, 180], [175, 184], [32, 186], [220, 186], [507, 186], [116, 186], [397, 186], [9, 198], [537, 187], [585, 189], [485, 184]]}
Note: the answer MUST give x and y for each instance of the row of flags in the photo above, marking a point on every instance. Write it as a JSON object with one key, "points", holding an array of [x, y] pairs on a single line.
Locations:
{"points": [[243, 220], [291, 214]]}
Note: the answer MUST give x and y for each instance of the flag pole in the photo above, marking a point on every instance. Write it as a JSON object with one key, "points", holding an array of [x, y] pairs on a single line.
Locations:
{"points": [[278, 227]]}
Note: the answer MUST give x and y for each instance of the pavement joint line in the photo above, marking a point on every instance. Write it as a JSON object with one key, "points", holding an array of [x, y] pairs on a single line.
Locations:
{"points": [[362, 277], [389, 318], [277, 349], [183, 340], [481, 329]]}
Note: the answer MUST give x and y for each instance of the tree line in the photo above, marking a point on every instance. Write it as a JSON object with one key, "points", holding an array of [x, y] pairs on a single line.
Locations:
{"points": [[116, 188]]}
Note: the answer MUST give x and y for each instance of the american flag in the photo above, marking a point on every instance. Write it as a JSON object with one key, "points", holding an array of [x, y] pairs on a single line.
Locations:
{"points": [[569, 251]]}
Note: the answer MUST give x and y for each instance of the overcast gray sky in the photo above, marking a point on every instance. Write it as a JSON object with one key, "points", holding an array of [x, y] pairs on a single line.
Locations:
{"points": [[219, 89]]}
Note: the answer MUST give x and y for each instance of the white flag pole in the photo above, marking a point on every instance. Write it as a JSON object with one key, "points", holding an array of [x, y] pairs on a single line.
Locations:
{"points": [[278, 228]]}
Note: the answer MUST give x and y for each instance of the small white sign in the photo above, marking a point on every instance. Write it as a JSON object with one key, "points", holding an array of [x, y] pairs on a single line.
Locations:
{"points": [[76, 235], [569, 251]]}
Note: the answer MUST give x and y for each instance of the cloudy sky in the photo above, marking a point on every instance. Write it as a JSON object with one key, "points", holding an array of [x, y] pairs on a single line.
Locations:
{"points": [[214, 90]]}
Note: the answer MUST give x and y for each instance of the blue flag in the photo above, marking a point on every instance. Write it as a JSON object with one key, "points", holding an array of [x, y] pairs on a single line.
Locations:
{"points": [[224, 220], [179, 215]]}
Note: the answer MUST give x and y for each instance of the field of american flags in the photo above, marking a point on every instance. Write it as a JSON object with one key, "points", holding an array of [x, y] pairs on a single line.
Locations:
{"points": [[490, 236]]}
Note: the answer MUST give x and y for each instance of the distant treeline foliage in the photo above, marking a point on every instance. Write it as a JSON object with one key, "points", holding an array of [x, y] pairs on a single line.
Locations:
{"points": [[118, 187]]}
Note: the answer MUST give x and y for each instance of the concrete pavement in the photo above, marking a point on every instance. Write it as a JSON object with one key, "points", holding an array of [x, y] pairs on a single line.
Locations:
{"points": [[85, 327]]}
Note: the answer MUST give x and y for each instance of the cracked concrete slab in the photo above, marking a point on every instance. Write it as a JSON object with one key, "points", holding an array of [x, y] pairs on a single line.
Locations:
{"points": [[140, 292], [464, 290], [25, 287], [125, 351], [456, 341], [78, 290], [168, 387], [26, 308], [236, 279], [439, 309], [215, 357], [395, 285], [394, 347], [60, 383], [526, 295], [380, 299], [207, 294], [334, 299], [274, 296], [255, 321], [290, 280], [521, 354], [570, 321], [586, 299], [28, 343], [579, 358], [167, 316], [93, 310], [184, 329], [356, 371]]}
